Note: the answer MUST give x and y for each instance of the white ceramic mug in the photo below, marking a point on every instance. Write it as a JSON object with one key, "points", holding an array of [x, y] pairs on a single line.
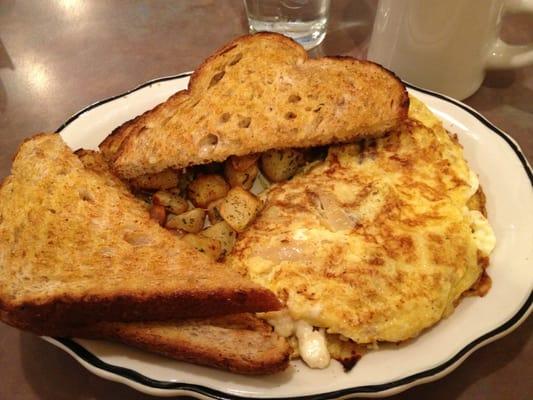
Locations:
{"points": [[446, 45]]}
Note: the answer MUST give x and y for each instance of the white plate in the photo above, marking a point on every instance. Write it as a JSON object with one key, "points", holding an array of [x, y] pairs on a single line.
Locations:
{"points": [[507, 181]]}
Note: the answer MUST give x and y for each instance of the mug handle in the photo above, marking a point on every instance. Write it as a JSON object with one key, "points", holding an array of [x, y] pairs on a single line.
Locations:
{"points": [[506, 56]]}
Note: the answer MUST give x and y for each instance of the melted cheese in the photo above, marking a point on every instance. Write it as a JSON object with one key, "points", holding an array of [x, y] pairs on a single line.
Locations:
{"points": [[474, 183], [312, 345], [282, 322], [482, 232], [375, 244]]}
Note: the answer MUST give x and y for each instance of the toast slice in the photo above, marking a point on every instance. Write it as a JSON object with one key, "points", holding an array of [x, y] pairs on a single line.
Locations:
{"points": [[76, 247], [259, 92], [240, 343]]}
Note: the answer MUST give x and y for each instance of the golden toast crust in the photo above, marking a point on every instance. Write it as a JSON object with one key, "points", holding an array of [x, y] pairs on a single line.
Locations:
{"points": [[240, 343], [257, 93], [77, 247]]}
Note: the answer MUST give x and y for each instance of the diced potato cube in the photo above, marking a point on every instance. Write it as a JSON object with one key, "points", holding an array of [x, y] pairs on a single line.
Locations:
{"points": [[239, 208], [244, 178], [207, 188], [280, 165], [222, 232], [162, 180], [171, 201], [190, 221], [203, 244], [242, 163], [158, 213], [162, 197], [213, 211]]}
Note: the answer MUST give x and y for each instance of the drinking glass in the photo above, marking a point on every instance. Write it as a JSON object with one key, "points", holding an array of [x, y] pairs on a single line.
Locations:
{"points": [[302, 20]]}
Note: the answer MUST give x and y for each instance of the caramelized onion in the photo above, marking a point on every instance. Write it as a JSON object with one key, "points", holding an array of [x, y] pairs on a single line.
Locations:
{"points": [[286, 252], [332, 215]]}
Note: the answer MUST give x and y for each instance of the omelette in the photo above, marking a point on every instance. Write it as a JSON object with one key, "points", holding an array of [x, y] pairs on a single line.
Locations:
{"points": [[375, 244]]}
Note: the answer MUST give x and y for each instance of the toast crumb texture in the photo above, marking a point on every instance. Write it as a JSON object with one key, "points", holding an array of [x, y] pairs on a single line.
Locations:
{"points": [[257, 93], [77, 247], [240, 343]]}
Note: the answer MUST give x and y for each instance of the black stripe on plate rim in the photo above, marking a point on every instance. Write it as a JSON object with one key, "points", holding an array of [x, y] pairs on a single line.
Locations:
{"points": [[139, 378]]}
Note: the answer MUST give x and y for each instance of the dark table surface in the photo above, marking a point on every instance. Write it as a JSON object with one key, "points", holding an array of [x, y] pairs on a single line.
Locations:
{"points": [[58, 56]]}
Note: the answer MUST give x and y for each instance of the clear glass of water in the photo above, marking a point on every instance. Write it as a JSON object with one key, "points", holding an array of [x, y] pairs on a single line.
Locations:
{"points": [[303, 20]]}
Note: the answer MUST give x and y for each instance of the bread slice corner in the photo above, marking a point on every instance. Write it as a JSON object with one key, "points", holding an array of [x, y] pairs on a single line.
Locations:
{"points": [[77, 247]]}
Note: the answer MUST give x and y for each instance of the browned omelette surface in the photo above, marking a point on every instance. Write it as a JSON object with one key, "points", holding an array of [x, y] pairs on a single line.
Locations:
{"points": [[377, 243]]}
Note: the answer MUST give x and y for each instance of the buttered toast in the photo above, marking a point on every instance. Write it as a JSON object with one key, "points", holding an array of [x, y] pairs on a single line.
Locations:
{"points": [[257, 93], [76, 247]]}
